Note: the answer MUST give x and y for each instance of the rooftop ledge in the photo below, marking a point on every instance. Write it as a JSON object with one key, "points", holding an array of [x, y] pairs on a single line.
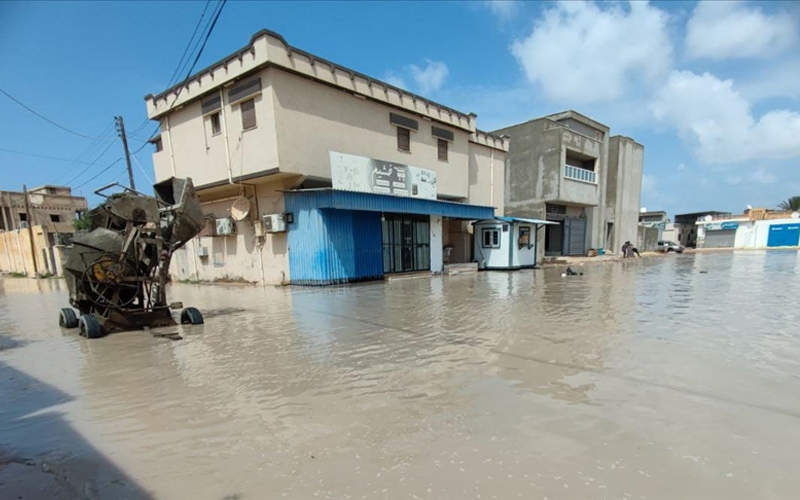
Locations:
{"points": [[269, 49]]}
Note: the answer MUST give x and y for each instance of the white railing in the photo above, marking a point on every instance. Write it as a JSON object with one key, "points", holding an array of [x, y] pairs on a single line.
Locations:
{"points": [[580, 174]]}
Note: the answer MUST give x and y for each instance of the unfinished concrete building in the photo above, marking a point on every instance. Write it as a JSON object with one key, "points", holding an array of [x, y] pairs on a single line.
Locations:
{"points": [[566, 168]]}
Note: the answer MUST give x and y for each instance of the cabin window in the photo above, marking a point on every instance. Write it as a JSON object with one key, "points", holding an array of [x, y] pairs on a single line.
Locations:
{"points": [[491, 238]]}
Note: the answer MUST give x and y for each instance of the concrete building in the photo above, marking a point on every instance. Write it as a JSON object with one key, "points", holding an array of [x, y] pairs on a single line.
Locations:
{"points": [[756, 228], [685, 226], [50, 215], [566, 168], [342, 177], [656, 219]]}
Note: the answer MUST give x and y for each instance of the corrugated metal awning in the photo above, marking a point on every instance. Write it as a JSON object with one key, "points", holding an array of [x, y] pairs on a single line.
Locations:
{"points": [[369, 202], [529, 221]]}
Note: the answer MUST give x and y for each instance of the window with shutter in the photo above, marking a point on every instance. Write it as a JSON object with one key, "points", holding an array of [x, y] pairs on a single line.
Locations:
{"points": [[248, 108], [216, 126], [403, 139], [442, 150]]}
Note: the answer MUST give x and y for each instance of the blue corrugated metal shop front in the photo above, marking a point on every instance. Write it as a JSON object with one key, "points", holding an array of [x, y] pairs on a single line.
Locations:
{"points": [[335, 236]]}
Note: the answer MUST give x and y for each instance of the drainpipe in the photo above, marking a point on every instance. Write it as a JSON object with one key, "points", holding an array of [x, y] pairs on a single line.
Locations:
{"points": [[225, 134], [491, 177], [171, 153]]}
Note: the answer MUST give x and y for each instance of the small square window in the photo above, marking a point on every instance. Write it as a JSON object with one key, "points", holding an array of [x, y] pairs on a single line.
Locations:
{"points": [[216, 126], [443, 149], [491, 238], [23, 217], [55, 218], [403, 139], [248, 108]]}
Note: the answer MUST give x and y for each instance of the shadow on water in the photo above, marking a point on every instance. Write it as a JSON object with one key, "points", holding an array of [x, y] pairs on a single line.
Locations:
{"points": [[42, 456]]}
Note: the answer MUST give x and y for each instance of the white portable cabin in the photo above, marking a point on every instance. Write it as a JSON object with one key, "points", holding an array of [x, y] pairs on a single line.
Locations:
{"points": [[506, 242]]}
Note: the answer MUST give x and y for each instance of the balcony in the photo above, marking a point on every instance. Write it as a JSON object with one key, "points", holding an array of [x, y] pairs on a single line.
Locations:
{"points": [[580, 174]]}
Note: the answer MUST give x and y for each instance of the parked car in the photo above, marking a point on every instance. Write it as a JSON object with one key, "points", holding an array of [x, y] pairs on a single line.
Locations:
{"points": [[670, 246]]}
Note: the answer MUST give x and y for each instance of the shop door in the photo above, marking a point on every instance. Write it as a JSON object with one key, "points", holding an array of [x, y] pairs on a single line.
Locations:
{"points": [[406, 243]]}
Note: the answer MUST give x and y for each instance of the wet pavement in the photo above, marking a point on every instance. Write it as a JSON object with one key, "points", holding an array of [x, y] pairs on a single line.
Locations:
{"points": [[669, 377]]}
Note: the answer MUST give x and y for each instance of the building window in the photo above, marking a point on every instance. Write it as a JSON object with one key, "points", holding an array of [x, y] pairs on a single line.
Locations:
{"points": [[443, 150], [159, 145], [23, 217], [491, 238], [248, 108], [216, 126], [403, 139], [55, 218]]}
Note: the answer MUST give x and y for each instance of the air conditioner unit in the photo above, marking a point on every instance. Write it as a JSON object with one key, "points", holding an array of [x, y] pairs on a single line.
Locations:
{"points": [[226, 227], [23, 224], [202, 251], [274, 223]]}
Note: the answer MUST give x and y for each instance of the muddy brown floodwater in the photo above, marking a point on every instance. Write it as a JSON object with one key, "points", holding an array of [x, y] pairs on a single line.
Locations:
{"points": [[674, 377]]}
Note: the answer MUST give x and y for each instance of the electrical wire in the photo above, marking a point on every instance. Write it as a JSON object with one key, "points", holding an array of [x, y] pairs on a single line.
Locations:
{"points": [[98, 174], [82, 158], [72, 160], [89, 166], [48, 120]]}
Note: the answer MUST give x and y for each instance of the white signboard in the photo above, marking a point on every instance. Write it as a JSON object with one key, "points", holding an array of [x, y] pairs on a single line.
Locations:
{"points": [[367, 175]]}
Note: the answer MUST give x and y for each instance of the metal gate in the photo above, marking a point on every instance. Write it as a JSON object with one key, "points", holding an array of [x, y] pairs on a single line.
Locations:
{"points": [[406, 243], [574, 236], [720, 239]]}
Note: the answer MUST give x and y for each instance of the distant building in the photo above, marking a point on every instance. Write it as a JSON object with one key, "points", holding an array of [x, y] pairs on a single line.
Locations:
{"points": [[656, 219], [337, 176], [566, 168], [52, 211], [755, 228], [685, 228]]}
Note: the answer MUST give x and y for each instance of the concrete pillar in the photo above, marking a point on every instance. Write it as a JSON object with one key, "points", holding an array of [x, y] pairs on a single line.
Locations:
{"points": [[437, 257]]}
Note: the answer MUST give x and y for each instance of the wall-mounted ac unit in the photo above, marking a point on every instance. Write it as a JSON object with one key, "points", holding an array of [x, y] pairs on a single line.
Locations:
{"points": [[23, 224], [202, 251], [226, 227], [274, 223]]}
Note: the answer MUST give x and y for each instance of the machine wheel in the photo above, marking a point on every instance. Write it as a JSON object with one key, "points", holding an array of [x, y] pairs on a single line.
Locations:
{"points": [[191, 315], [67, 318], [90, 327]]}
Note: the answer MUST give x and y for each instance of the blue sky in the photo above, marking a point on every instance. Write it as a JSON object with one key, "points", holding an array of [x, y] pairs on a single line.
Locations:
{"points": [[712, 90]]}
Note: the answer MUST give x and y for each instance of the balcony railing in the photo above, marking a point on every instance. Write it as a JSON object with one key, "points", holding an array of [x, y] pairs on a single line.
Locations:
{"points": [[580, 174]]}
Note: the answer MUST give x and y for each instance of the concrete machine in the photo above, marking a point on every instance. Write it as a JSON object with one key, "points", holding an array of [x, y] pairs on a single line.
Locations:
{"points": [[117, 271]]}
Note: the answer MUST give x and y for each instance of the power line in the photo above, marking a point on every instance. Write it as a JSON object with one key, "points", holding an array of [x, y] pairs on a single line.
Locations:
{"points": [[23, 153], [48, 120], [188, 45], [89, 151], [98, 174], [179, 67], [90, 165]]}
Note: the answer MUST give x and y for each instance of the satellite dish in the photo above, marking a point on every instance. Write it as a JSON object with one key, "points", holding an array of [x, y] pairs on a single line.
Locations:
{"points": [[708, 218], [749, 207], [795, 215], [643, 210], [240, 208]]}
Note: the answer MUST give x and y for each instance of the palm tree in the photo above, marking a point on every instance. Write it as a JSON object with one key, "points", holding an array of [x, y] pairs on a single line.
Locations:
{"points": [[790, 205]]}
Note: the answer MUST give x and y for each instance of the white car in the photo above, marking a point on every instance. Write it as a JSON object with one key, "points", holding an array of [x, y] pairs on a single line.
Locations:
{"points": [[669, 246]]}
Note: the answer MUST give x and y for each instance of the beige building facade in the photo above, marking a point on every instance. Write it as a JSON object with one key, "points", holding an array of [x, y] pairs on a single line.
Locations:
{"points": [[50, 213], [272, 121]]}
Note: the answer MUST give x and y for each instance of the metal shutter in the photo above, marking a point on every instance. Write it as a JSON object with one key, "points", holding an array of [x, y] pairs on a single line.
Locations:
{"points": [[574, 236], [720, 239], [248, 114]]}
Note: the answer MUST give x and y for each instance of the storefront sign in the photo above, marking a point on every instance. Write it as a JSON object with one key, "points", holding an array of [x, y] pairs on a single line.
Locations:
{"points": [[367, 175], [722, 226]]}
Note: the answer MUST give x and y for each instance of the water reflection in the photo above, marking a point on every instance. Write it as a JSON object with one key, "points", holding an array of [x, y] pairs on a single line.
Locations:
{"points": [[488, 384]]}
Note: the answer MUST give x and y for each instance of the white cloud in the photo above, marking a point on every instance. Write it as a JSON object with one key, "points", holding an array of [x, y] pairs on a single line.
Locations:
{"points": [[682, 166], [763, 176], [583, 52], [503, 9], [431, 77], [722, 30], [395, 80], [719, 121]]}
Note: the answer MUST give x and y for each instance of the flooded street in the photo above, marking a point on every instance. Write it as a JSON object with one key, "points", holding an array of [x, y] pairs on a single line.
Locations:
{"points": [[674, 377]]}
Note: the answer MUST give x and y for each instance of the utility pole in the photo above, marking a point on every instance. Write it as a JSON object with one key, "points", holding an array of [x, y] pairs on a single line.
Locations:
{"points": [[121, 133], [30, 228]]}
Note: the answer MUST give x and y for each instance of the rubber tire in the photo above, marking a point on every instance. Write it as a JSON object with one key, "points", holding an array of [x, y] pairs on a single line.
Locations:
{"points": [[191, 315], [67, 318], [90, 327], [670, 250]]}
